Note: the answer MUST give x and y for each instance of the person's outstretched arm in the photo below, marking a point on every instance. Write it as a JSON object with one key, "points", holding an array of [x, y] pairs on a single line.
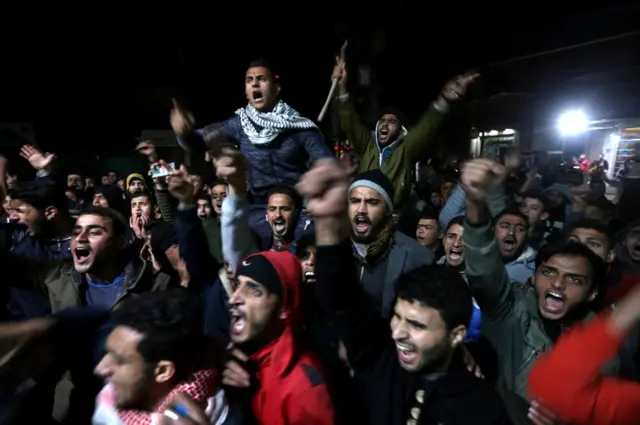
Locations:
{"points": [[567, 380]]}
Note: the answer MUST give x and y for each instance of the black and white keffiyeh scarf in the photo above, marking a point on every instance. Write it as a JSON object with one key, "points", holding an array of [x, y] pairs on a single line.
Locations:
{"points": [[282, 118]]}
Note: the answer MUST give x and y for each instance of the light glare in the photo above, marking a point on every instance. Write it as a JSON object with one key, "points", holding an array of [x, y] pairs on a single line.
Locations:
{"points": [[573, 122]]}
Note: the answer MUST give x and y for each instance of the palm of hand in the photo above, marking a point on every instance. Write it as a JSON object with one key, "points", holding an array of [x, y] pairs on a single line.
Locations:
{"points": [[40, 161]]}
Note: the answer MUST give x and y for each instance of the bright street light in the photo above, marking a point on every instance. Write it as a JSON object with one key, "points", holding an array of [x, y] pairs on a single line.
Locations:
{"points": [[573, 122], [615, 138]]}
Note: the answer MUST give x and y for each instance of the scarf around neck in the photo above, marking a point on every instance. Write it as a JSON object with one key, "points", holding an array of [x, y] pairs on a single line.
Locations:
{"points": [[271, 124], [200, 388]]}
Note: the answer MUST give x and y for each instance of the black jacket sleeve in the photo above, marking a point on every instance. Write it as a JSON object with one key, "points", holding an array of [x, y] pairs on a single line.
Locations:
{"points": [[341, 299], [194, 249]]}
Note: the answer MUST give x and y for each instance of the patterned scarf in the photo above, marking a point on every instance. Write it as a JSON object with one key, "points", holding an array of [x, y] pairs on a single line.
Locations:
{"points": [[282, 118], [378, 250], [200, 388]]}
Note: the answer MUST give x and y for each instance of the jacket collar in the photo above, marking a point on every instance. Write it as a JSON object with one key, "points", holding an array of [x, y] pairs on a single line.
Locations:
{"points": [[134, 273], [281, 354]]}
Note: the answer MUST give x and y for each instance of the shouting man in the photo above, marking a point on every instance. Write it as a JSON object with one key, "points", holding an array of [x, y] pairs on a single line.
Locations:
{"points": [[276, 141], [390, 146]]}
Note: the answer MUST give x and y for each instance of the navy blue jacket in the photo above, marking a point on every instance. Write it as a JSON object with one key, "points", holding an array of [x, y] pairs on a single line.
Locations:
{"points": [[279, 163]]}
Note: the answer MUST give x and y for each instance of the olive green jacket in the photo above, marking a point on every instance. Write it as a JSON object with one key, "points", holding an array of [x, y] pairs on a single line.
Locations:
{"points": [[408, 149], [510, 318]]}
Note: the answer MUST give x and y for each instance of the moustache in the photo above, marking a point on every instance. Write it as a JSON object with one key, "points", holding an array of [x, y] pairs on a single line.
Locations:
{"points": [[362, 218]]}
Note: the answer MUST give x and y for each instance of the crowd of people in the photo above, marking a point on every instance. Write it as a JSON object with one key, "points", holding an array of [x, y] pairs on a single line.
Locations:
{"points": [[286, 286]]}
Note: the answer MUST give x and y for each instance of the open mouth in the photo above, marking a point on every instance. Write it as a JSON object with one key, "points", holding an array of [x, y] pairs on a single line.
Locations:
{"points": [[219, 205], [406, 352], [257, 96], [455, 254], [82, 255], [554, 302], [509, 243], [363, 224], [384, 132], [237, 322], [310, 277], [279, 225]]}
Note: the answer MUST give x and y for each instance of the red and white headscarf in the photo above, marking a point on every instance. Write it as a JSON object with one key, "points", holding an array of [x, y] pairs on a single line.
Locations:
{"points": [[201, 388]]}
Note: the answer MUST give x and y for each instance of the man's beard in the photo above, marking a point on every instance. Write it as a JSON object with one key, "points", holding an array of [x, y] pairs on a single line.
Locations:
{"points": [[436, 357], [140, 393], [516, 252]]}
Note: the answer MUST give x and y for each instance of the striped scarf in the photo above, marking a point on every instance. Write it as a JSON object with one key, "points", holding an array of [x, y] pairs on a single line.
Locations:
{"points": [[282, 118]]}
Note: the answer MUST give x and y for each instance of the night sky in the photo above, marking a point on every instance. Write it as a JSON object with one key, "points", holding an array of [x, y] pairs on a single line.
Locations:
{"points": [[98, 81]]}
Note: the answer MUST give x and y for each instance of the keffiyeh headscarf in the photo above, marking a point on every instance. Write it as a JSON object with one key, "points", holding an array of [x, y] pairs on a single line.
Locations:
{"points": [[200, 388], [282, 118]]}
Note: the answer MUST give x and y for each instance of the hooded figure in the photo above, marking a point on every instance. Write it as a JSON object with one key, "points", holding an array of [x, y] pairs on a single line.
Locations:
{"points": [[135, 183], [291, 384], [391, 147]]}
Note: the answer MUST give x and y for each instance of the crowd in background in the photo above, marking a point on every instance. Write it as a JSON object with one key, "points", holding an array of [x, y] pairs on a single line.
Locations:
{"points": [[286, 286]]}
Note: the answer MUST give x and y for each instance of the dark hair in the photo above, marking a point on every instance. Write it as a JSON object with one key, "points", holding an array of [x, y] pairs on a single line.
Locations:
{"points": [[572, 248], [400, 116], [286, 190], [43, 193], [429, 214], [171, 324], [202, 196], [140, 193], [218, 182], [598, 226], [117, 220], [306, 241], [459, 220], [511, 210], [441, 288], [261, 62], [537, 195]]}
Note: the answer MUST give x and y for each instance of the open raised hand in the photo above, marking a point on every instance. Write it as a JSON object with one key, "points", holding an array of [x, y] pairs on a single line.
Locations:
{"points": [[37, 159]]}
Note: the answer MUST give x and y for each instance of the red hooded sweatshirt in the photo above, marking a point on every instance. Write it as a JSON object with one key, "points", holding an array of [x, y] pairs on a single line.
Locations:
{"points": [[292, 386]]}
